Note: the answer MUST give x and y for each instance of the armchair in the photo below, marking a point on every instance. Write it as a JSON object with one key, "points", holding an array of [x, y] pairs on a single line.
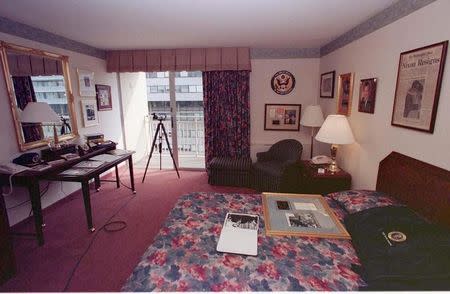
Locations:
{"points": [[273, 168]]}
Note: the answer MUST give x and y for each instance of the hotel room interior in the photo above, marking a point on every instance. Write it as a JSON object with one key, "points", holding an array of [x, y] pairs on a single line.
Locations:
{"points": [[310, 137]]}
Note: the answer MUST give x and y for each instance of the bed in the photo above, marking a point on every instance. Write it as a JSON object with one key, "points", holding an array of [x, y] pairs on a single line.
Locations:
{"points": [[183, 256]]}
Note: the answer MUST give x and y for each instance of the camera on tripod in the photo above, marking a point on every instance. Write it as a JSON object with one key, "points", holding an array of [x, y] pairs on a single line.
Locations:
{"points": [[159, 116]]}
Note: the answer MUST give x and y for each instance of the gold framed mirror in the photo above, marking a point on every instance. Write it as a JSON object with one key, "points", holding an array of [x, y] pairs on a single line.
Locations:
{"points": [[33, 75]]}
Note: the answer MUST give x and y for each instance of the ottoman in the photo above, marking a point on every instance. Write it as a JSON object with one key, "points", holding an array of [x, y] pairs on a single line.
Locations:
{"points": [[225, 171]]}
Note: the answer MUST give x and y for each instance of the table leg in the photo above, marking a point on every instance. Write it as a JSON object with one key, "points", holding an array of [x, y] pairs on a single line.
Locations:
{"points": [[87, 204], [130, 164], [97, 183], [117, 177], [35, 197]]}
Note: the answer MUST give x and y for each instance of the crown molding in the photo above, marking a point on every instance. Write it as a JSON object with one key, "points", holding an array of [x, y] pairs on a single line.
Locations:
{"points": [[31, 33], [389, 15]]}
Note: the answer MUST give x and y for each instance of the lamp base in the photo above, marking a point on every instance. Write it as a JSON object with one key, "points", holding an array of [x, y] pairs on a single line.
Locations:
{"points": [[333, 165]]}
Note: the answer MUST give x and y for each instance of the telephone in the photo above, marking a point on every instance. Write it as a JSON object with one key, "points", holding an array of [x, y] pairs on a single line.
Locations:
{"points": [[321, 159], [11, 169]]}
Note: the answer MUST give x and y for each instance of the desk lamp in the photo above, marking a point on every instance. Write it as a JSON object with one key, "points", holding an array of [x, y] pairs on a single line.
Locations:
{"points": [[335, 131], [41, 112], [312, 117]]}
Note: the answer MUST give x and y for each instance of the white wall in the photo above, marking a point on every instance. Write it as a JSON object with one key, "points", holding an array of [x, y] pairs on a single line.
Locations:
{"points": [[306, 73], [110, 123], [376, 55]]}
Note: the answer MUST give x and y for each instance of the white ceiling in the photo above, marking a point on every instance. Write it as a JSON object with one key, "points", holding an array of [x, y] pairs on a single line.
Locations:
{"points": [[121, 24]]}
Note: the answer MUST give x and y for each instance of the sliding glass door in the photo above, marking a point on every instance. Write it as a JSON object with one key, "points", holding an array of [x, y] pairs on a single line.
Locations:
{"points": [[179, 96]]}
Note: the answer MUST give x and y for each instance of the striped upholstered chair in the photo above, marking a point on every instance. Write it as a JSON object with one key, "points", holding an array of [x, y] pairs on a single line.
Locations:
{"points": [[271, 171]]}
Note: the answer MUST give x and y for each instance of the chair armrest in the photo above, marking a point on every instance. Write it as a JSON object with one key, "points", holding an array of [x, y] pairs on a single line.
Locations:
{"points": [[263, 156]]}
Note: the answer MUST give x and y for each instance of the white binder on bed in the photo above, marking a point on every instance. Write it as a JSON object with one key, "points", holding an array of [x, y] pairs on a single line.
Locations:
{"points": [[239, 234]]}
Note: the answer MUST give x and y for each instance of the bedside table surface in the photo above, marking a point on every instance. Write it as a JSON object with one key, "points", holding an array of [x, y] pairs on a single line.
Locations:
{"points": [[312, 170]]}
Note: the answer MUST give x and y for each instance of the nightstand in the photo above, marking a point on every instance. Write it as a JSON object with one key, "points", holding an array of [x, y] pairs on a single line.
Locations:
{"points": [[314, 183], [7, 262]]}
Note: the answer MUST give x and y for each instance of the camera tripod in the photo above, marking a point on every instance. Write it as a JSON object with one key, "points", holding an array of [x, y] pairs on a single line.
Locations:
{"points": [[160, 130]]}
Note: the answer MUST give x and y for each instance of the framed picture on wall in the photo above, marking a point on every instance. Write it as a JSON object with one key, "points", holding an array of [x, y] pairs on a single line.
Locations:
{"points": [[104, 101], [89, 112], [418, 87], [282, 117], [327, 84], [345, 92], [367, 95], [86, 83]]}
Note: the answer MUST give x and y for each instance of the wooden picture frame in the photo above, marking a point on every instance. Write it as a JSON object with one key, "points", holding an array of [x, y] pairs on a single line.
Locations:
{"points": [[282, 117], [327, 84], [367, 95], [276, 219], [86, 83], [103, 95], [345, 94], [89, 112], [418, 87]]}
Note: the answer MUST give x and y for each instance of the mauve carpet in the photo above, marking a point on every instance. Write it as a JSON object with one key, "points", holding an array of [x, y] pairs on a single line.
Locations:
{"points": [[112, 256]]}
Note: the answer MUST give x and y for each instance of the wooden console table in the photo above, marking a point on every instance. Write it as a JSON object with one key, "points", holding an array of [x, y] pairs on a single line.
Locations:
{"points": [[30, 179]]}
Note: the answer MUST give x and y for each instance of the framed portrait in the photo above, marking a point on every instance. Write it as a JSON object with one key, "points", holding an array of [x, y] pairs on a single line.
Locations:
{"points": [[418, 87], [367, 95], [345, 93], [282, 82], [327, 84], [89, 112], [86, 83], [282, 117], [104, 101]]}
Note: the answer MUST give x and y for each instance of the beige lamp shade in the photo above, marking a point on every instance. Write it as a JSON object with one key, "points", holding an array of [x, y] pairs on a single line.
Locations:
{"points": [[312, 117], [39, 112], [335, 130]]}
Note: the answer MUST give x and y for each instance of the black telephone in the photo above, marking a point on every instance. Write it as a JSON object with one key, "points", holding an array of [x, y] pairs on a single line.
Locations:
{"points": [[28, 159]]}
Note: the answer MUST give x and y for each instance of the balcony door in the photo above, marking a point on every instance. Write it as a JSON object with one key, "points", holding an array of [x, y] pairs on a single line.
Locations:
{"points": [[179, 96]]}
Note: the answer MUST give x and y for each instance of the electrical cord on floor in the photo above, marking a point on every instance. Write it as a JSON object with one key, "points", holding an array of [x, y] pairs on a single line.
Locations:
{"points": [[110, 227]]}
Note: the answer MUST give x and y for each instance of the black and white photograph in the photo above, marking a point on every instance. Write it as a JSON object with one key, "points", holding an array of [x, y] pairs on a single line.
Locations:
{"points": [[90, 113], [302, 219], [242, 221], [413, 99]]}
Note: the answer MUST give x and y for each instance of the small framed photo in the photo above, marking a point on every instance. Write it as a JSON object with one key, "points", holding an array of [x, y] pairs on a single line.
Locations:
{"points": [[89, 112], [282, 117], [418, 87], [104, 101], [367, 95], [86, 83], [345, 93], [327, 84]]}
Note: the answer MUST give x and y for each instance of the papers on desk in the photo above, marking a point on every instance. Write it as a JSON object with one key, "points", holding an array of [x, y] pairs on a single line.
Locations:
{"points": [[89, 164], [104, 158], [119, 152], [75, 172]]}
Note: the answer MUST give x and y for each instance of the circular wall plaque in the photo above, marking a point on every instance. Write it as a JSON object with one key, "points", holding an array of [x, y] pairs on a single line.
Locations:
{"points": [[283, 82]]}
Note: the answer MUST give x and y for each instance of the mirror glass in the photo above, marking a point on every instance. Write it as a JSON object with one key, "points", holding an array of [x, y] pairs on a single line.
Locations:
{"points": [[36, 76]]}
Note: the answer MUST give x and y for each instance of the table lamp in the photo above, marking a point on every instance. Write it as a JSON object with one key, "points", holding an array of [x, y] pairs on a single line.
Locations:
{"points": [[335, 131], [41, 112], [312, 117]]}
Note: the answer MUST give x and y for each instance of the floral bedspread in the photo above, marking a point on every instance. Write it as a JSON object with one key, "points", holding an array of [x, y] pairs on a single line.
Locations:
{"points": [[183, 256]]}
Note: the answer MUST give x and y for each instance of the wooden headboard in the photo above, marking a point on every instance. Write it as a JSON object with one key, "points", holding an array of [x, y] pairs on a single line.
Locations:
{"points": [[423, 187]]}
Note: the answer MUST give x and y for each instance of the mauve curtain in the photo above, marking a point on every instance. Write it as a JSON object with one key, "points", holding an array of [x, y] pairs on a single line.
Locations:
{"points": [[227, 114], [23, 88]]}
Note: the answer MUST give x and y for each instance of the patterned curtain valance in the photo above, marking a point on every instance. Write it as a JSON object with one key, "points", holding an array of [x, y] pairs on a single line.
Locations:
{"points": [[203, 59]]}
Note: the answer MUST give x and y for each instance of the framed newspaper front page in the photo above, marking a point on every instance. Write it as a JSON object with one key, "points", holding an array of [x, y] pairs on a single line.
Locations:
{"points": [[418, 87]]}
